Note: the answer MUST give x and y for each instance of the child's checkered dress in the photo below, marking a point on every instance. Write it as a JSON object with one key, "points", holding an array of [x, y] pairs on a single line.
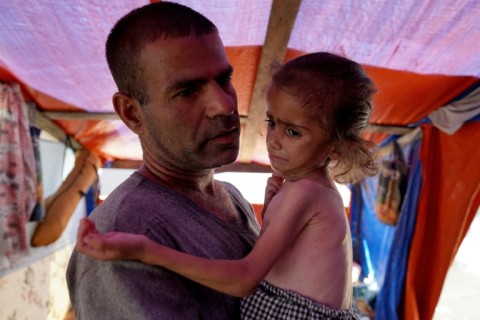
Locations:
{"points": [[270, 302]]}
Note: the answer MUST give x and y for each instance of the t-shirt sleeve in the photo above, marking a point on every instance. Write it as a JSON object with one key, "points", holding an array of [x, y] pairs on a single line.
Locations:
{"points": [[132, 290]]}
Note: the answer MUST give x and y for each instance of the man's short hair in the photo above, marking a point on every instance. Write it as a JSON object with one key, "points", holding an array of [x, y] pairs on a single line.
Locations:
{"points": [[142, 26]]}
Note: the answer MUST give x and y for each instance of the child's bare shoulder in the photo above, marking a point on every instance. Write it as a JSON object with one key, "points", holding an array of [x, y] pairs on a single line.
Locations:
{"points": [[312, 194], [311, 188]]}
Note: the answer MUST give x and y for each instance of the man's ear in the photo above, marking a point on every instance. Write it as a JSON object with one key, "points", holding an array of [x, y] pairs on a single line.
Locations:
{"points": [[128, 109]]}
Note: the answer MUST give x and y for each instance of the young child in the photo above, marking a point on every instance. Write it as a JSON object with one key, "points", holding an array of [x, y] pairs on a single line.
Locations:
{"points": [[301, 264]]}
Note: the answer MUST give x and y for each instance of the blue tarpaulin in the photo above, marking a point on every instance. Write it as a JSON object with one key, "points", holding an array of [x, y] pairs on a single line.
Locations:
{"points": [[382, 250]]}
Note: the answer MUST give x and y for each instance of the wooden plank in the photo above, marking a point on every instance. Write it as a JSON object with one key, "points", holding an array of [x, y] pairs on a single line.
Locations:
{"points": [[407, 138], [234, 167], [80, 115], [126, 164], [39, 120], [280, 25], [388, 129], [245, 167]]}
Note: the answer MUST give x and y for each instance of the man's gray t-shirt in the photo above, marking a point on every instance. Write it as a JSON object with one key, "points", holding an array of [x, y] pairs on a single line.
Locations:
{"points": [[132, 290]]}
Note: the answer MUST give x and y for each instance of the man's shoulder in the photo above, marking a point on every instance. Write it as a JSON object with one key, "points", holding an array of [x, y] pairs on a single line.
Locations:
{"points": [[233, 191], [137, 194], [227, 185]]}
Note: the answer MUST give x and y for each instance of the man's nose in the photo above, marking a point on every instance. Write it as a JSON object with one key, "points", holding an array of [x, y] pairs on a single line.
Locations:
{"points": [[220, 101]]}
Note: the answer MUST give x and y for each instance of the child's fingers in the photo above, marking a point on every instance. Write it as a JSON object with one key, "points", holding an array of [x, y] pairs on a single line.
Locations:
{"points": [[93, 253], [86, 226], [95, 247], [95, 241], [278, 175], [275, 182], [83, 229], [93, 228]]}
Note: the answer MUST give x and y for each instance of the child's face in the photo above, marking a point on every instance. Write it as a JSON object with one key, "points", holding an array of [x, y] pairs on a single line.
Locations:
{"points": [[296, 144]]}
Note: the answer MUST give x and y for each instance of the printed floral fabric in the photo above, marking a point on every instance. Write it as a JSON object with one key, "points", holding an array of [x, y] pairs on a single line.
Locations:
{"points": [[17, 174], [37, 291]]}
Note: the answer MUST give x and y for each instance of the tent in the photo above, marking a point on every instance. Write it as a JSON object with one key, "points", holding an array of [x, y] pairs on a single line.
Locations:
{"points": [[423, 55]]}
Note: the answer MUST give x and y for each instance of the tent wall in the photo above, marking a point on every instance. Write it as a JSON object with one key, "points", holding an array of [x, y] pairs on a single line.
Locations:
{"points": [[448, 202]]}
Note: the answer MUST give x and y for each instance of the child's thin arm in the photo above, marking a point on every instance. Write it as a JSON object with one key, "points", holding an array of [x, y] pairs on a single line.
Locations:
{"points": [[233, 277]]}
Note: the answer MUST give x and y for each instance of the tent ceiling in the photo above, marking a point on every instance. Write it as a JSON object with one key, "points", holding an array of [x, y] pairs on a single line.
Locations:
{"points": [[422, 53]]}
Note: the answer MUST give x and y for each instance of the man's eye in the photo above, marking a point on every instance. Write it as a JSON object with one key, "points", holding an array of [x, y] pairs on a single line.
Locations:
{"points": [[186, 92], [225, 81], [293, 133], [270, 123]]}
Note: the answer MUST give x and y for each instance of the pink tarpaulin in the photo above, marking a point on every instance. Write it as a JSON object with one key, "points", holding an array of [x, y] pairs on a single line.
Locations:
{"points": [[59, 49]]}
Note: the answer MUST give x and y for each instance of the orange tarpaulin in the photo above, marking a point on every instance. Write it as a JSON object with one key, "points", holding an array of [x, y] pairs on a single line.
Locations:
{"points": [[448, 202], [393, 103]]}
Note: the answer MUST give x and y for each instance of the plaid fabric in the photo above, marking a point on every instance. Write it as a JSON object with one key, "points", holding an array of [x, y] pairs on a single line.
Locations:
{"points": [[270, 302]]}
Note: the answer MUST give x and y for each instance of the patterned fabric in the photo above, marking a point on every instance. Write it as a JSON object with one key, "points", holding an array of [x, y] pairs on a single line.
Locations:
{"points": [[272, 303], [37, 291], [17, 175]]}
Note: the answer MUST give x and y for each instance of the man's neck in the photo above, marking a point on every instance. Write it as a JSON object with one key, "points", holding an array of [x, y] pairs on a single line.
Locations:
{"points": [[198, 181], [200, 188]]}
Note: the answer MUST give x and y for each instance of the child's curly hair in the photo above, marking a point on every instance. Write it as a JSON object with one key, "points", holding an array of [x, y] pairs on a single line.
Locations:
{"points": [[337, 93]]}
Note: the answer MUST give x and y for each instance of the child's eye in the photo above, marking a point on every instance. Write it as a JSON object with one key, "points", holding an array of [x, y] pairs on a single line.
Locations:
{"points": [[293, 133]]}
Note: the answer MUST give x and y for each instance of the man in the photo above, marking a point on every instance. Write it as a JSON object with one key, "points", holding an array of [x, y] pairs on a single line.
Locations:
{"points": [[175, 93]]}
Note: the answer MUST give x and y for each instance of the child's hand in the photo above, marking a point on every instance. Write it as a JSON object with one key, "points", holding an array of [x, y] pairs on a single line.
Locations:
{"points": [[108, 246], [274, 183]]}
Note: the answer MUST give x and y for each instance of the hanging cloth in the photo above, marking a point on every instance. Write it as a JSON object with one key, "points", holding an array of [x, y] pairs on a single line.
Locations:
{"points": [[391, 187], [451, 117], [17, 174]]}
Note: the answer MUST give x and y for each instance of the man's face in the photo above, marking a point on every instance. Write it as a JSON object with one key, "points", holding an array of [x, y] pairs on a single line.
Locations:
{"points": [[191, 119]]}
